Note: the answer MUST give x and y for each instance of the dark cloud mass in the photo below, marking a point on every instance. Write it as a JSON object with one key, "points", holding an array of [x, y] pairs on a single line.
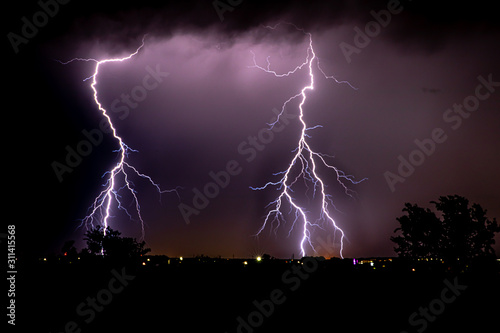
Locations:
{"points": [[122, 23], [429, 57]]}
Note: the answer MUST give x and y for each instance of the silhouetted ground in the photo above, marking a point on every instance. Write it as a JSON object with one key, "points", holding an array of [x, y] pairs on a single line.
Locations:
{"points": [[311, 296]]}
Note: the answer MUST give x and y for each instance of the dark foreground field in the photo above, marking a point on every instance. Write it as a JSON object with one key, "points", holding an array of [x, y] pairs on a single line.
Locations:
{"points": [[268, 296]]}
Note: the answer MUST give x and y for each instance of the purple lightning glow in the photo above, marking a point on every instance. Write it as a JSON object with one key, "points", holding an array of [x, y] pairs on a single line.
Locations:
{"points": [[306, 159], [100, 210]]}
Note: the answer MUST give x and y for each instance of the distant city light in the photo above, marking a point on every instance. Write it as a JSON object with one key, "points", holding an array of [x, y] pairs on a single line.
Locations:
{"points": [[259, 258]]}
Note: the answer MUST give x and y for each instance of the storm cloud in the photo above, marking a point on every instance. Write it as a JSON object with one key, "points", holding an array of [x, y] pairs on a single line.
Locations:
{"points": [[415, 61]]}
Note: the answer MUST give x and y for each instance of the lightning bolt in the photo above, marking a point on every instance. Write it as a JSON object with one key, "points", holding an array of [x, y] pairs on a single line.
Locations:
{"points": [[306, 160], [101, 209]]}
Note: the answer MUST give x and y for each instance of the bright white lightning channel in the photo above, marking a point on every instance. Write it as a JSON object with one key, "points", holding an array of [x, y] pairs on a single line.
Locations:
{"points": [[101, 208], [305, 159]]}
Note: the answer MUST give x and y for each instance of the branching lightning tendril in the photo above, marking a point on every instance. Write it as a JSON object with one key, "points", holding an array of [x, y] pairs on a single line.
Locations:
{"points": [[100, 211], [305, 158]]}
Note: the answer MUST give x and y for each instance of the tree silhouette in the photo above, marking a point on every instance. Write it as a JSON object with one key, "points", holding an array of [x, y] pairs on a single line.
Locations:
{"points": [[421, 233], [461, 232], [111, 245]]}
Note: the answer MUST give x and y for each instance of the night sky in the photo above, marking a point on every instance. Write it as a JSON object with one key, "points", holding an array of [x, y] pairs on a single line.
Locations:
{"points": [[410, 75]]}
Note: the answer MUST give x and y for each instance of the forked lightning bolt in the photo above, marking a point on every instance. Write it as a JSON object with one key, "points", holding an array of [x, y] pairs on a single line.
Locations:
{"points": [[100, 211], [305, 159]]}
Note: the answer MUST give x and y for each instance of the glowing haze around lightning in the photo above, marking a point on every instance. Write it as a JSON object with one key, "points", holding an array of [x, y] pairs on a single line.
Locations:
{"points": [[305, 159], [101, 208]]}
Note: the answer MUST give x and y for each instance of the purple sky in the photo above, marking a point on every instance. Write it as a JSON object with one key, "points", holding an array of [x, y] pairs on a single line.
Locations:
{"points": [[193, 121]]}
